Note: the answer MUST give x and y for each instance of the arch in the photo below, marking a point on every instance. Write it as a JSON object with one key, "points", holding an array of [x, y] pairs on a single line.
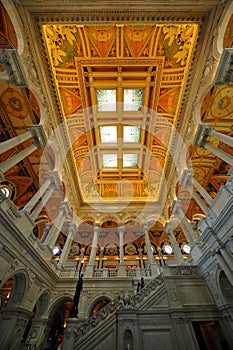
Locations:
{"points": [[98, 303], [133, 217], [223, 24], [106, 218], [57, 314], [15, 20], [211, 66], [42, 304], [152, 219], [128, 339], [57, 303], [225, 288], [19, 286]]}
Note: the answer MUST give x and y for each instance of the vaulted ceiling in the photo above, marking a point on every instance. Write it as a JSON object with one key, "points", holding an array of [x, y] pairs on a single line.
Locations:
{"points": [[122, 85], [121, 82]]}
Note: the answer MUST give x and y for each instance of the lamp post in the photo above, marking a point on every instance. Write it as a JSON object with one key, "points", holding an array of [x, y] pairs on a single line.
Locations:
{"points": [[79, 286]]}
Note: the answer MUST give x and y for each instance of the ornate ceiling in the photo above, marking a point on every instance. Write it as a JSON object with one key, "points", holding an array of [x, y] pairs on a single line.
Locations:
{"points": [[121, 84], [144, 67]]}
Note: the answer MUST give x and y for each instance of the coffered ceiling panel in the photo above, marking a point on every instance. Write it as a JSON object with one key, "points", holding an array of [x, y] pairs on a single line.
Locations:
{"points": [[120, 85]]}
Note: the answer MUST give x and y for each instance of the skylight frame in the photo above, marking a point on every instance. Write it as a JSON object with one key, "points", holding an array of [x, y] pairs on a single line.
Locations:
{"points": [[109, 104], [132, 100], [108, 134]]}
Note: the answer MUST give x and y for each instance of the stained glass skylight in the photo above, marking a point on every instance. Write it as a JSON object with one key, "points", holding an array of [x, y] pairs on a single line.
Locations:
{"points": [[132, 100], [131, 133], [108, 134], [109, 160], [106, 100], [130, 160]]}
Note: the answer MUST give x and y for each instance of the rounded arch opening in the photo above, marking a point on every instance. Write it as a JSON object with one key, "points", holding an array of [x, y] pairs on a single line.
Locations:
{"points": [[98, 305], [226, 288]]}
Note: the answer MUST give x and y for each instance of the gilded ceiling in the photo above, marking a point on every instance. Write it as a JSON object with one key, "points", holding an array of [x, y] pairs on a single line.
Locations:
{"points": [[146, 69], [147, 62]]}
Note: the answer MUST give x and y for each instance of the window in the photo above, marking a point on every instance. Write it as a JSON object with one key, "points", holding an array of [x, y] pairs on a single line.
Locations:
{"points": [[186, 249], [130, 160], [5, 191], [168, 249], [109, 160], [108, 134], [132, 100], [106, 100], [131, 133]]}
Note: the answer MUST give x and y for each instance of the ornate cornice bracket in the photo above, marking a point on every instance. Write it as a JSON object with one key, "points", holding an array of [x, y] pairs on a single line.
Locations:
{"points": [[14, 73]]}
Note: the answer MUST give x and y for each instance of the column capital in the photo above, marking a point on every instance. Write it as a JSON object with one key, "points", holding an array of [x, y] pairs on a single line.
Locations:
{"points": [[177, 209], [186, 179], [145, 226], [96, 227], [39, 135], [65, 207], [168, 227], [16, 75], [55, 178], [201, 135], [121, 228], [72, 229]]}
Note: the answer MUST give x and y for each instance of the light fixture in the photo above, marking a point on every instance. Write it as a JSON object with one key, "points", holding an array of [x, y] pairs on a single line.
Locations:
{"points": [[186, 249], [167, 249], [56, 250], [8, 189], [5, 191]]}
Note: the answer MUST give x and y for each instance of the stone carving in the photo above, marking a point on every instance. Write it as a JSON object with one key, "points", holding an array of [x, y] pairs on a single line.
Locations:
{"points": [[123, 302], [211, 281], [171, 289], [184, 270]]}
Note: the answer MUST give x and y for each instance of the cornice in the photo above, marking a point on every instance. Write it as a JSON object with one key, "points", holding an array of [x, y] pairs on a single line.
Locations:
{"points": [[57, 6]]}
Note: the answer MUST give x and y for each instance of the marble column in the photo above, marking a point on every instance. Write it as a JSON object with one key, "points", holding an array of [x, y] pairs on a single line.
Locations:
{"points": [[66, 248], [219, 153], [152, 262], [15, 141], [200, 202], [30, 205], [38, 134], [91, 263], [202, 191], [187, 180], [201, 140], [10, 162], [57, 225], [228, 140], [45, 233], [185, 225], [174, 244], [121, 267], [43, 202]]}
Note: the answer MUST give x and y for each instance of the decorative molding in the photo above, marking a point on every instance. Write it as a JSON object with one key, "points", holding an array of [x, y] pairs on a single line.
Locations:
{"points": [[224, 74]]}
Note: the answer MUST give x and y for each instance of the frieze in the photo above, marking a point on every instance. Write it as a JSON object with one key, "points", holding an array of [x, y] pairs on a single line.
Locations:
{"points": [[184, 270]]}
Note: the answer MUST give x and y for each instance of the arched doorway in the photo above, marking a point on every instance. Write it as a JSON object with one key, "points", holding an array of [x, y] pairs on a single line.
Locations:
{"points": [[98, 305]]}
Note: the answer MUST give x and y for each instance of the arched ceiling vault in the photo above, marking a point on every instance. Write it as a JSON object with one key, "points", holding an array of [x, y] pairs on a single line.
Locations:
{"points": [[125, 80]]}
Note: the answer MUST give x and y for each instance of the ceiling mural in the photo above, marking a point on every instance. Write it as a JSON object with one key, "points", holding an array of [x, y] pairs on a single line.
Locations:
{"points": [[113, 75]]}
